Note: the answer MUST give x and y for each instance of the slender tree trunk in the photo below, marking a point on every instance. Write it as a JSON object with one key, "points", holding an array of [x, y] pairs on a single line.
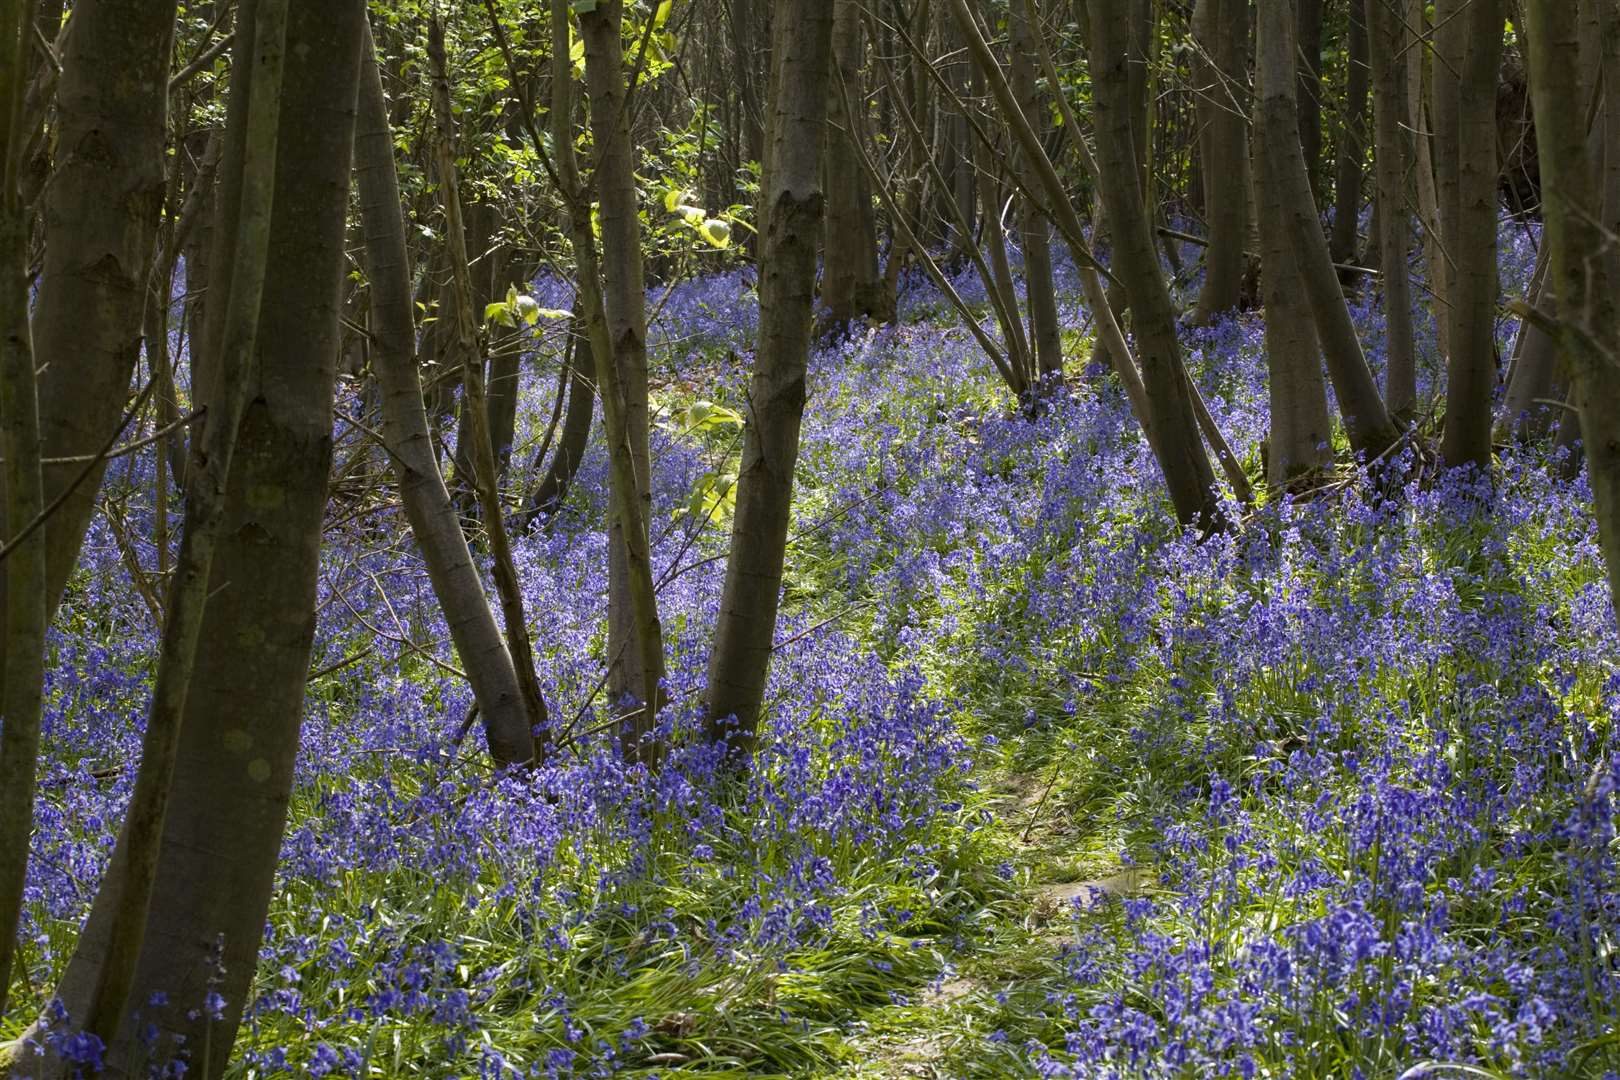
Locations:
{"points": [[1421, 124], [851, 287], [432, 516], [1352, 146], [484, 475], [1301, 427], [1222, 29], [1035, 229], [1471, 369], [1309, 66], [1386, 26], [1581, 272], [234, 760], [634, 673], [576, 431], [232, 344], [791, 212], [1365, 418], [22, 666], [1001, 280], [101, 213], [626, 434], [1136, 262], [1531, 406]]}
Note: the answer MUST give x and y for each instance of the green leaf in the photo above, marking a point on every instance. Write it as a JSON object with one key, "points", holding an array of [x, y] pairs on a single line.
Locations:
{"points": [[499, 313], [716, 232]]}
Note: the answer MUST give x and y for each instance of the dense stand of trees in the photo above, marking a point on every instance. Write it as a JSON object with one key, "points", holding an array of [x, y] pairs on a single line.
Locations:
{"points": [[366, 191]]}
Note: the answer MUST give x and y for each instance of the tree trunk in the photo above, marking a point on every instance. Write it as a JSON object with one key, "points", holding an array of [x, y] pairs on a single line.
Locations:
{"points": [[791, 212], [432, 516], [851, 287], [1582, 275], [576, 432], [1035, 229], [1221, 70], [1365, 418], [1471, 367], [1301, 427], [1535, 387], [1309, 66], [22, 665], [1136, 262], [227, 808], [1352, 147], [633, 673], [618, 343], [101, 214], [1419, 82], [484, 475], [1386, 27], [1001, 280]]}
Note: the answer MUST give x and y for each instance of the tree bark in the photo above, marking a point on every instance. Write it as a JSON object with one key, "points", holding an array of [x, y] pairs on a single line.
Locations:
{"points": [[634, 673], [1471, 365], [1365, 418], [635, 636], [1393, 161], [576, 431], [791, 217], [1419, 84], [1352, 146], [1309, 66], [1301, 427], [1035, 229], [1187, 470], [234, 762], [101, 215], [1221, 70], [428, 507], [22, 665], [469, 347], [1582, 275], [851, 287]]}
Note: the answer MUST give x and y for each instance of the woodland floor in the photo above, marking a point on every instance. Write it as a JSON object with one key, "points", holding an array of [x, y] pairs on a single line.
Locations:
{"points": [[1049, 789]]}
